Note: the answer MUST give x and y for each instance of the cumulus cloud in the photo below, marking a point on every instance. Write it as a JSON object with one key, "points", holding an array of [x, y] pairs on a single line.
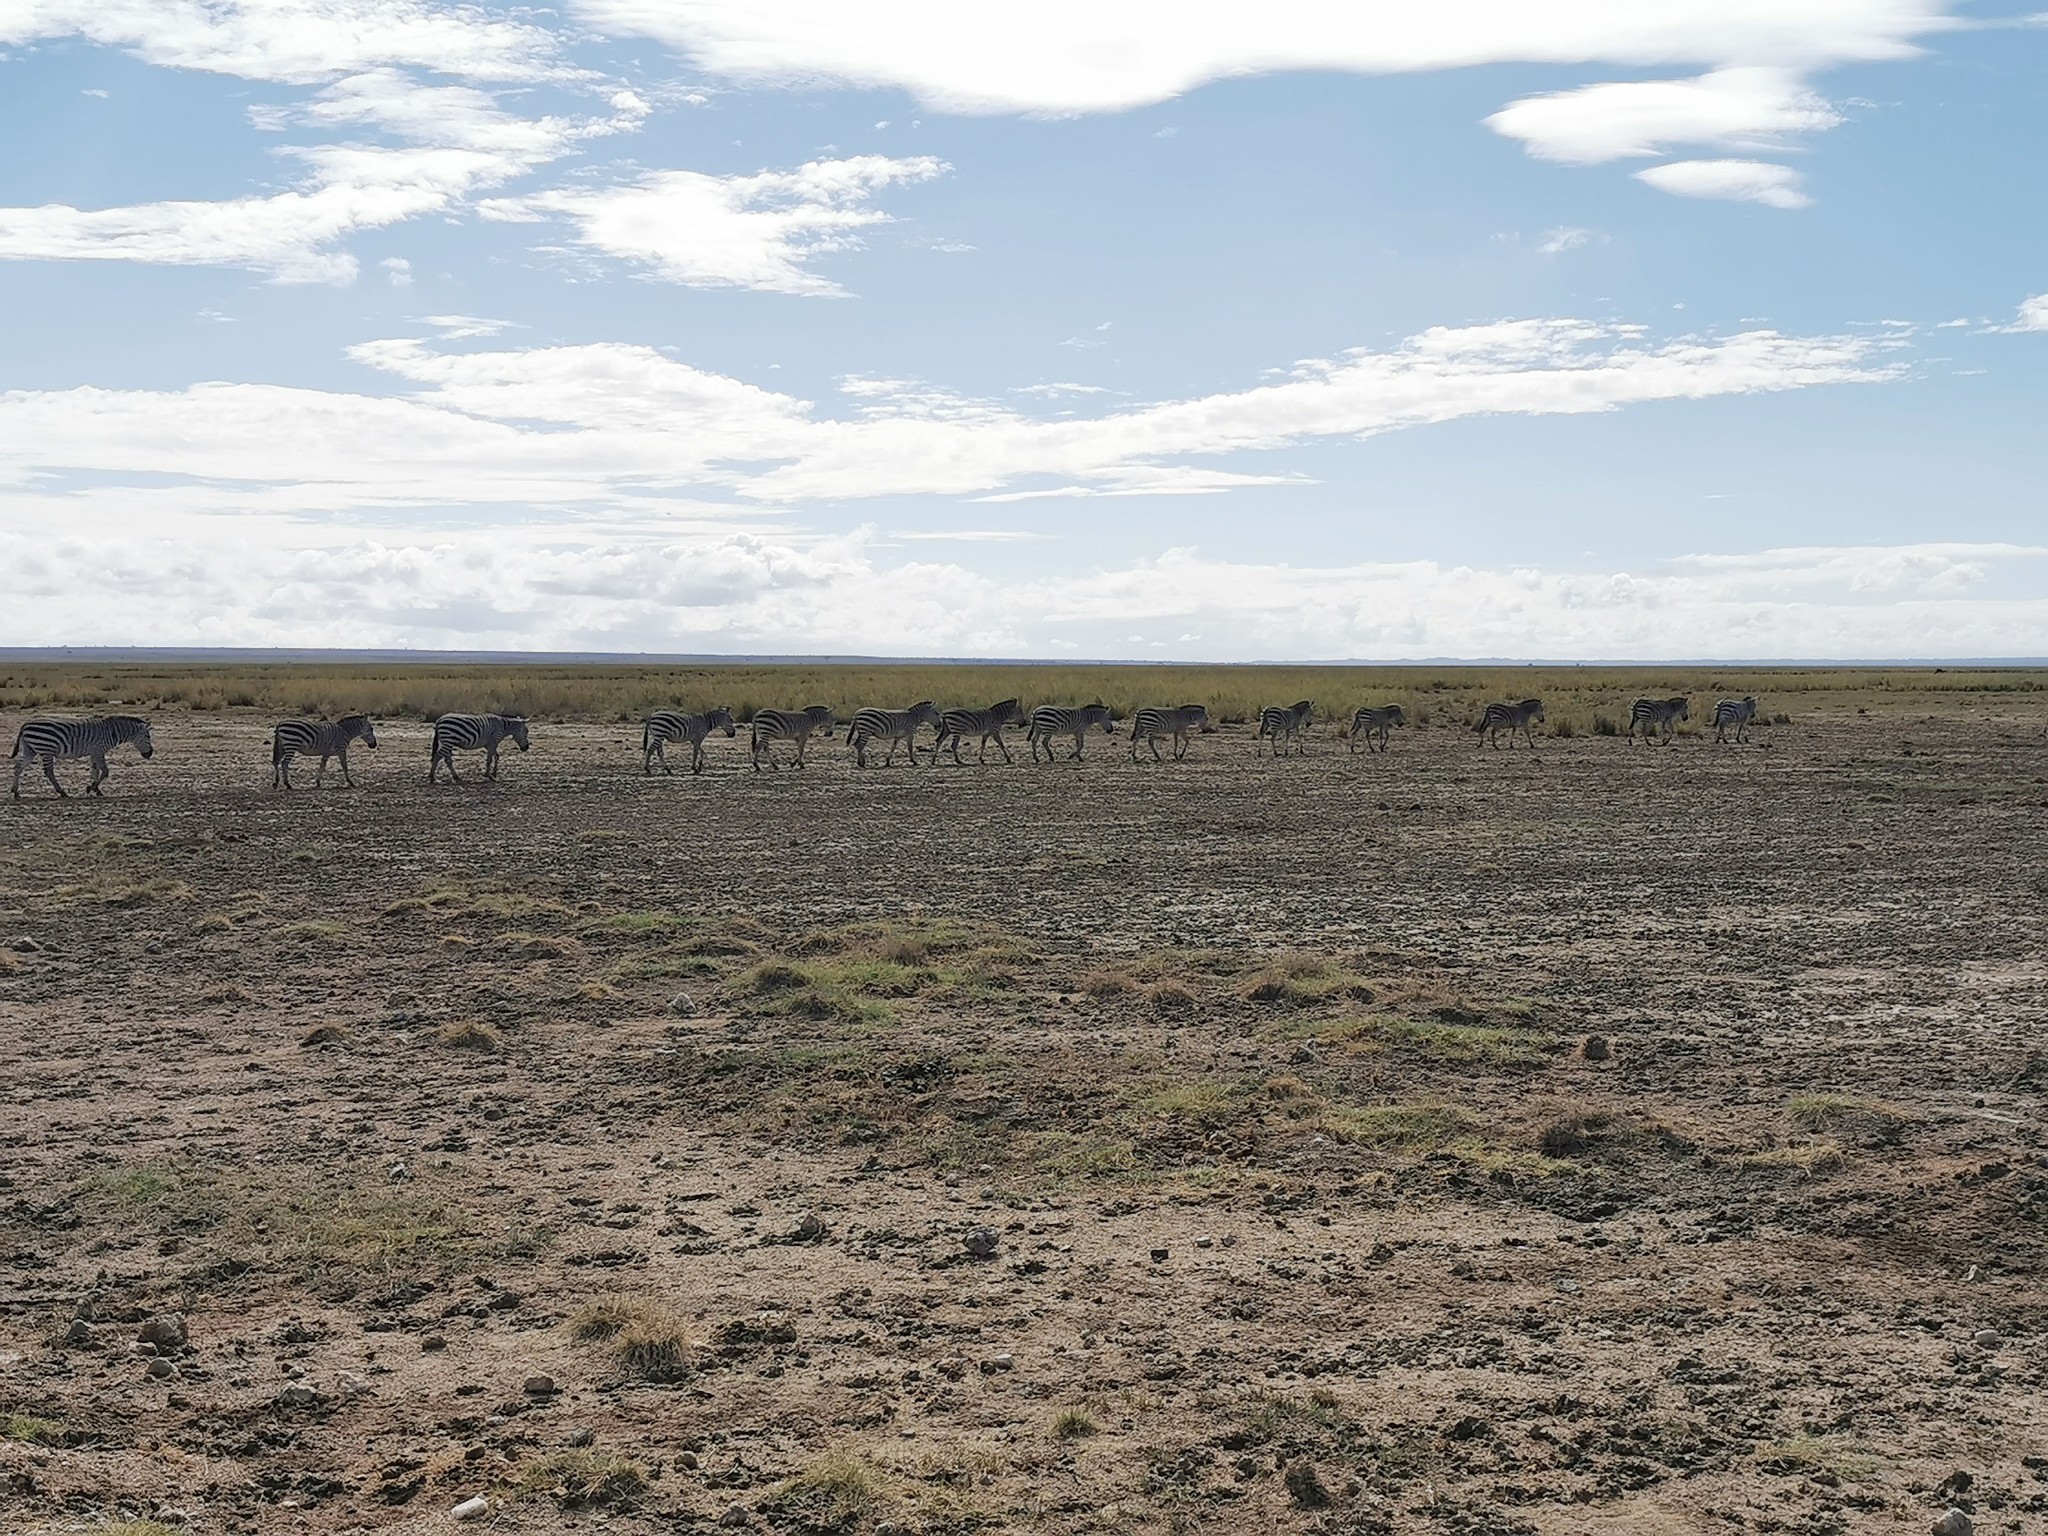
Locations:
{"points": [[1746, 181], [747, 592], [605, 424], [729, 231], [1065, 57], [1074, 56], [1736, 108], [2033, 315]]}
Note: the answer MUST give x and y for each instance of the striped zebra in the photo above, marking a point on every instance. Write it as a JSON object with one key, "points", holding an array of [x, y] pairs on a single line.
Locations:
{"points": [[797, 725], [52, 739], [1370, 725], [1150, 724], [1050, 720], [1510, 718], [1284, 724], [667, 725], [892, 726], [1735, 712], [1657, 715], [984, 724], [473, 733], [329, 738]]}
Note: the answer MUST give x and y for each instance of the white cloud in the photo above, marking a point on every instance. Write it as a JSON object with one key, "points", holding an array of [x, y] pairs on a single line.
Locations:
{"points": [[2033, 315], [1747, 181], [621, 429], [399, 270], [750, 592], [730, 231], [1740, 108], [299, 42], [1557, 242], [1065, 57], [1074, 56], [462, 142]]}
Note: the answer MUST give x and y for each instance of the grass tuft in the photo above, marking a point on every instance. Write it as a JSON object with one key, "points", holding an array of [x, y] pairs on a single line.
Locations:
{"points": [[582, 1479]]}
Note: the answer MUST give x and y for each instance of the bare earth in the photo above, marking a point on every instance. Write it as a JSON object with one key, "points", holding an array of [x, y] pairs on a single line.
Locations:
{"points": [[1312, 1210]]}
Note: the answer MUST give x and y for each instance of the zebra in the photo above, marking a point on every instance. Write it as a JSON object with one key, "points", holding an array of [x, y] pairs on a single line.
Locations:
{"points": [[1150, 724], [667, 725], [773, 725], [472, 733], [95, 738], [986, 724], [1735, 712], [1659, 715], [1050, 720], [328, 738], [1285, 724], [1510, 718], [1369, 725], [892, 726]]}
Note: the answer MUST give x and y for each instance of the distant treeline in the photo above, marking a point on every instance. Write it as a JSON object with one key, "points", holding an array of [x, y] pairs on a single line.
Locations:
{"points": [[1579, 700]]}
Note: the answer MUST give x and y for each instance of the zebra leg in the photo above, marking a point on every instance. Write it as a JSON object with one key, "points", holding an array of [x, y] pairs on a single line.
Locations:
{"points": [[50, 773], [1077, 750], [1154, 741], [491, 764], [347, 778], [20, 762], [320, 773], [280, 771], [696, 758], [99, 773]]}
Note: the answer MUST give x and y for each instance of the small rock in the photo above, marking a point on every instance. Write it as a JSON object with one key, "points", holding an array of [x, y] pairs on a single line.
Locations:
{"points": [[1205, 1242], [735, 1516], [433, 1342], [1595, 1048], [161, 1369], [812, 1226], [349, 1384], [171, 1515], [996, 1363], [80, 1332], [1987, 1338], [1954, 1523], [298, 1395], [471, 1509], [143, 1351], [166, 1331], [24, 945], [1159, 1255], [982, 1242], [683, 1006], [539, 1386], [687, 1461], [1228, 1239], [586, 1436]]}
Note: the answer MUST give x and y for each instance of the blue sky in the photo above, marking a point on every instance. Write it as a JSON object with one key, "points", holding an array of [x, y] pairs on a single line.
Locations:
{"points": [[1599, 330]]}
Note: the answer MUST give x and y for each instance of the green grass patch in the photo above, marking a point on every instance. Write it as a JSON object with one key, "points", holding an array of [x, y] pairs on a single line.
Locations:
{"points": [[840, 1491], [30, 1429]]}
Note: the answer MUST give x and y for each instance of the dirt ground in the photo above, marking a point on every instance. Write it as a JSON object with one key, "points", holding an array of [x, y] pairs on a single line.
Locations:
{"points": [[1602, 1139]]}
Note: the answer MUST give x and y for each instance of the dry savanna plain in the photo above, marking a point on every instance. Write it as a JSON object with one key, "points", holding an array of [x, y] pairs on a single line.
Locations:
{"points": [[1599, 1138]]}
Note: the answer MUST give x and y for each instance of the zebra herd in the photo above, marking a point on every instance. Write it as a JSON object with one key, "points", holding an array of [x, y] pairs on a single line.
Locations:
{"points": [[1280, 727]]}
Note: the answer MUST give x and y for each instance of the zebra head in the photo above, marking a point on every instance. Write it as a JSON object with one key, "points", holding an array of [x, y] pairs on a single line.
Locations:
{"points": [[721, 720], [1198, 715], [1681, 709], [1393, 716], [1098, 714], [822, 719], [1532, 709], [1009, 712], [359, 728], [924, 712], [515, 727], [133, 728]]}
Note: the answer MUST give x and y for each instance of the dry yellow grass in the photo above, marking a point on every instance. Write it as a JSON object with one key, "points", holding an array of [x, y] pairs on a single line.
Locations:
{"points": [[1581, 700]]}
